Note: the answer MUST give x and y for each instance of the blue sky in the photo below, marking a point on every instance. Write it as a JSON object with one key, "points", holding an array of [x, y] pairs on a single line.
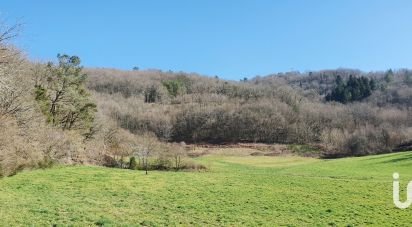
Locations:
{"points": [[229, 38]]}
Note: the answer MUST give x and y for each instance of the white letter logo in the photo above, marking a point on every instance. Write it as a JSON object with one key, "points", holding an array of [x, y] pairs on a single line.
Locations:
{"points": [[399, 204]]}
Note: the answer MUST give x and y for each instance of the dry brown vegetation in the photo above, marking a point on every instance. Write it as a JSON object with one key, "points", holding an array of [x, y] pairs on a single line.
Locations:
{"points": [[148, 116], [283, 108], [47, 117]]}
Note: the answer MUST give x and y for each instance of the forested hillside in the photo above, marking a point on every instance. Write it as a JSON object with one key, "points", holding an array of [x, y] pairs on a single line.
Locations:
{"points": [[48, 117], [375, 115], [59, 112], [46, 114]]}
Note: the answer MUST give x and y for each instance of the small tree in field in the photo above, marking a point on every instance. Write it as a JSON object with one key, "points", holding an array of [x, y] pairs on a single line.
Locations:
{"points": [[178, 152], [146, 149]]}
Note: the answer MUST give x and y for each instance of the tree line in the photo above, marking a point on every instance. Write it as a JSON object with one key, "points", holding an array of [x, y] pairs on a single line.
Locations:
{"points": [[287, 108]]}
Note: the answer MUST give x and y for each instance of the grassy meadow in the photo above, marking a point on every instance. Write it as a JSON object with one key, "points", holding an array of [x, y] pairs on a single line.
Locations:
{"points": [[235, 190]]}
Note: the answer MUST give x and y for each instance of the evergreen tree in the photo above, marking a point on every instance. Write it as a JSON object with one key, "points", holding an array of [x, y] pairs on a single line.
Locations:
{"points": [[63, 97], [389, 76], [355, 89], [372, 84], [133, 163]]}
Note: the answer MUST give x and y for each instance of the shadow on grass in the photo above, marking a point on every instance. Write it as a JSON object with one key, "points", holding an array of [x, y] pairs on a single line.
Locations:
{"points": [[404, 158]]}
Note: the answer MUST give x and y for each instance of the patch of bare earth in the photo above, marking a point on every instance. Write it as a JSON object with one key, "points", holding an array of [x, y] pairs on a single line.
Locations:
{"points": [[238, 149]]}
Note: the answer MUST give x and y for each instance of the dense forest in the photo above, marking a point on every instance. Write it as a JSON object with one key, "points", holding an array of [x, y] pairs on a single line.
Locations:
{"points": [[342, 112], [60, 112]]}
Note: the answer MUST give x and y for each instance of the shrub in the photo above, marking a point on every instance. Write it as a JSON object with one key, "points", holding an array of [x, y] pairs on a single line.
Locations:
{"points": [[133, 163], [357, 145], [108, 161]]}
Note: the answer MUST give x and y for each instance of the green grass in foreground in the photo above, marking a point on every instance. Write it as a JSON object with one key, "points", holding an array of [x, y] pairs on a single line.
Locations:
{"points": [[247, 190]]}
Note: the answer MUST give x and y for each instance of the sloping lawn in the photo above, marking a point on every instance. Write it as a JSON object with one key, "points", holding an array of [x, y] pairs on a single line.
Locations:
{"points": [[247, 190]]}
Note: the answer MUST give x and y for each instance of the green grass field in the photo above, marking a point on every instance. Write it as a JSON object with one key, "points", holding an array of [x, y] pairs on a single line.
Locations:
{"points": [[236, 190]]}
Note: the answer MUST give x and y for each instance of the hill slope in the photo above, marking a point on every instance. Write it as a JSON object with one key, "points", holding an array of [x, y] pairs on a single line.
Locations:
{"points": [[288, 108]]}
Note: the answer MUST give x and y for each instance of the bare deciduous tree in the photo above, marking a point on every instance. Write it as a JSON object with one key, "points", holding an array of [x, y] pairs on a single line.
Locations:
{"points": [[145, 148]]}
